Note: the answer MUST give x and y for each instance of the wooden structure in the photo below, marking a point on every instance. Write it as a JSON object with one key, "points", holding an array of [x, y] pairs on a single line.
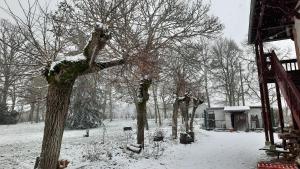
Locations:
{"points": [[238, 118], [266, 165], [273, 20]]}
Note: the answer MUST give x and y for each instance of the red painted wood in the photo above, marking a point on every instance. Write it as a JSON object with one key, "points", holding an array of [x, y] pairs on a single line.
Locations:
{"points": [[267, 165], [287, 87]]}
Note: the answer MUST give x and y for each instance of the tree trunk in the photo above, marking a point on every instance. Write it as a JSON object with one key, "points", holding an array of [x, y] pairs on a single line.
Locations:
{"points": [[186, 112], [111, 115], [165, 108], [13, 97], [242, 85], [192, 118], [146, 121], [206, 89], [175, 118], [196, 103], [37, 117], [159, 118], [156, 107], [58, 100], [143, 97], [104, 105], [5, 91], [32, 107], [141, 122]]}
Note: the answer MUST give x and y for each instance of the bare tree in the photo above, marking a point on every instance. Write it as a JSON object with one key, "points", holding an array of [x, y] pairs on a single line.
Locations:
{"points": [[161, 24], [225, 69], [150, 27], [49, 48], [187, 68], [13, 66]]}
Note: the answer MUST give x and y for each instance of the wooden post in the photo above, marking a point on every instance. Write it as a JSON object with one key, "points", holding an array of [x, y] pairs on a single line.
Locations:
{"points": [[261, 95], [263, 65], [281, 119]]}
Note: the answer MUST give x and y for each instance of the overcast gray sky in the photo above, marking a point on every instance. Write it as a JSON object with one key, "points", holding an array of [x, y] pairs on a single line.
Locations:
{"points": [[234, 14]]}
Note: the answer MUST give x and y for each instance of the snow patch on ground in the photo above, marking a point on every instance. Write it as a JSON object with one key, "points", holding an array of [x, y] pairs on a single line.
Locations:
{"points": [[20, 144]]}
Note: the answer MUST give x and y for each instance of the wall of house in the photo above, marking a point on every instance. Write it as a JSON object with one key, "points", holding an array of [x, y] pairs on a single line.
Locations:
{"points": [[219, 117], [223, 119], [228, 122], [256, 111]]}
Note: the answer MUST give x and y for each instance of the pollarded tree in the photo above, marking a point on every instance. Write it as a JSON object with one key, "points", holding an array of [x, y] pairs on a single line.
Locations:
{"points": [[51, 49]]}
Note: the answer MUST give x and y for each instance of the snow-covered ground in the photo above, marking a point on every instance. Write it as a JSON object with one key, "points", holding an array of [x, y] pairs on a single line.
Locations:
{"points": [[20, 144]]}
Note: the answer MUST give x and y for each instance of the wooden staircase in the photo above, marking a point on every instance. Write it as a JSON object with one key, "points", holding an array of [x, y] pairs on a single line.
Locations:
{"points": [[287, 75]]}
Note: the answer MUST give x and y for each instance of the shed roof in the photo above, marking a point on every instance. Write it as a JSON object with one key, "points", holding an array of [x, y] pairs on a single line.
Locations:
{"points": [[236, 108], [276, 23]]}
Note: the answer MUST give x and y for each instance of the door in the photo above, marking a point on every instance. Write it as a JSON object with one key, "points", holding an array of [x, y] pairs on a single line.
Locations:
{"points": [[240, 121], [211, 121]]}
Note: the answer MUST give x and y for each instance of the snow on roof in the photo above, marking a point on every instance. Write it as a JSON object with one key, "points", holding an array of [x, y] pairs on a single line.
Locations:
{"points": [[236, 108]]}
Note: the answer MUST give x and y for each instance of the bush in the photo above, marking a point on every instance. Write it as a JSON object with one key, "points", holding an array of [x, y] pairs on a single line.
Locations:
{"points": [[7, 117]]}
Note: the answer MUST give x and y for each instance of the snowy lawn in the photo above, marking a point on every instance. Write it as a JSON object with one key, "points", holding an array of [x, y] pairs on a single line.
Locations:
{"points": [[20, 144]]}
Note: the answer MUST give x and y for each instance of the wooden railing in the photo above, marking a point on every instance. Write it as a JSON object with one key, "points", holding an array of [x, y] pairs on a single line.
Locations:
{"points": [[288, 65], [286, 85]]}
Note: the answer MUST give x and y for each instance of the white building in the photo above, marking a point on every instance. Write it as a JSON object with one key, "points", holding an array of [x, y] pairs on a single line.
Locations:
{"points": [[233, 117]]}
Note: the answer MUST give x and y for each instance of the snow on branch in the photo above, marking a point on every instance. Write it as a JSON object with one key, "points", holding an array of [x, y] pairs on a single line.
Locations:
{"points": [[62, 58], [107, 64], [96, 43]]}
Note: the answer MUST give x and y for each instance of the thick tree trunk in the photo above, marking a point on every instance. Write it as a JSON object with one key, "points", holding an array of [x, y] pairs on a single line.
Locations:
{"points": [[61, 79], [143, 97], [141, 122], [175, 118], [58, 99]]}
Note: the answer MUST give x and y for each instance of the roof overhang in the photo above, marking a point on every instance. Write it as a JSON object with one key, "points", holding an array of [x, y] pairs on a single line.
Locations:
{"points": [[276, 21], [236, 108]]}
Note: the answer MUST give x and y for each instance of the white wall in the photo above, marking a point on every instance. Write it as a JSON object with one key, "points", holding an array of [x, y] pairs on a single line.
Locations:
{"points": [[223, 119], [256, 111], [219, 118]]}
